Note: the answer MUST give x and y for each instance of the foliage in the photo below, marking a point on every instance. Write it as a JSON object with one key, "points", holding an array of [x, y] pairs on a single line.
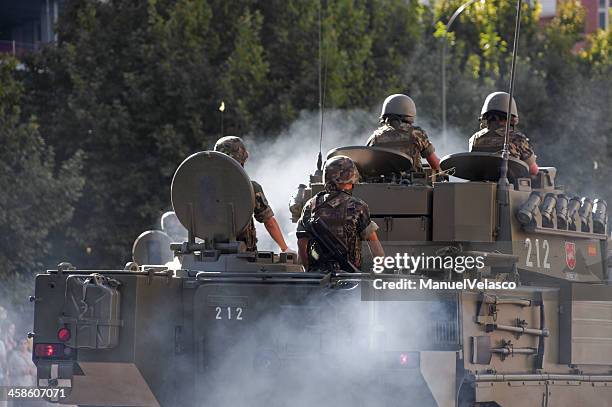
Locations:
{"points": [[38, 191]]}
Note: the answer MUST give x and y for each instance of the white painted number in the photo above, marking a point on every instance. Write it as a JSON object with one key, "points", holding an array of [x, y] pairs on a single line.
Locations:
{"points": [[231, 313], [528, 262], [545, 246]]}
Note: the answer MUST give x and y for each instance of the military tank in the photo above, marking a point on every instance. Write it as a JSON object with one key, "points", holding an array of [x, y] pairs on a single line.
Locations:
{"points": [[230, 327]]}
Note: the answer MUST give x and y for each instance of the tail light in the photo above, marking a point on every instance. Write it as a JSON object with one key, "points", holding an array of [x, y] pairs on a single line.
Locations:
{"points": [[403, 360], [49, 350], [63, 334]]}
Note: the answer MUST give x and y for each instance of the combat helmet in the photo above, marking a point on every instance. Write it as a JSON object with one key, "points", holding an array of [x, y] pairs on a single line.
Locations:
{"points": [[340, 170], [234, 147], [498, 102], [398, 105]]}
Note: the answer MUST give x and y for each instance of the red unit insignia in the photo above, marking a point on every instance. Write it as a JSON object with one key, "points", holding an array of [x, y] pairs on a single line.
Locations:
{"points": [[570, 255]]}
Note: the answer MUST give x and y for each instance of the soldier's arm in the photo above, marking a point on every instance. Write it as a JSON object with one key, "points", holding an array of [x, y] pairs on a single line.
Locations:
{"points": [[428, 151], [434, 161], [375, 246], [534, 169], [303, 235], [275, 232], [528, 155], [367, 230], [263, 213]]}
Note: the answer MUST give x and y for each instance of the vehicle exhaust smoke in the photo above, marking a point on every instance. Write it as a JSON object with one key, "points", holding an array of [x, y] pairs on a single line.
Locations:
{"points": [[283, 162]]}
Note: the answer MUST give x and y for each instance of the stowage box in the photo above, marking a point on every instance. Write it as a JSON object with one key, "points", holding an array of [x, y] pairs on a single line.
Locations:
{"points": [[464, 211]]}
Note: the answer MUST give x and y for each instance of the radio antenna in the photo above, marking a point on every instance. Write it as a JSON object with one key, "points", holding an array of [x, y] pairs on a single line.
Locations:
{"points": [[503, 177], [322, 86]]}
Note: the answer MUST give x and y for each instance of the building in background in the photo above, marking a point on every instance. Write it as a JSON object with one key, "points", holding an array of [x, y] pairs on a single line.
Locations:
{"points": [[26, 24], [597, 13]]}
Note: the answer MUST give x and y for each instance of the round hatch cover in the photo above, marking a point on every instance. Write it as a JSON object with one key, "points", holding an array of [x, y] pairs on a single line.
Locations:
{"points": [[375, 161], [212, 193], [483, 166], [152, 247]]}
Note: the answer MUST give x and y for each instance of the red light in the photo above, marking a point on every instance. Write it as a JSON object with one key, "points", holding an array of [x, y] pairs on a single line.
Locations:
{"points": [[63, 334], [48, 350], [44, 350], [403, 359]]}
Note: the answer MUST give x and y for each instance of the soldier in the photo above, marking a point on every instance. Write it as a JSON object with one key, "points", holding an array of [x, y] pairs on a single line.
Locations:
{"points": [[347, 217], [397, 131], [234, 147], [493, 129]]}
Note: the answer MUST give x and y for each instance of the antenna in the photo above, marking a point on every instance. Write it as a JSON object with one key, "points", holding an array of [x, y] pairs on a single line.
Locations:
{"points": [[503, 177], [222, 110], [322, 85]]}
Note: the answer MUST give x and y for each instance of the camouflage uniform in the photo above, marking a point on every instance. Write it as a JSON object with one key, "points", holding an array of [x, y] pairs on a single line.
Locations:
{"points": [[347, 217], [234, 147], [491, 140], [407, 139]]}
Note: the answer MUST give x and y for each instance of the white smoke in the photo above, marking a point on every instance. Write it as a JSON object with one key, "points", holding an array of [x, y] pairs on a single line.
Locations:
{"points": [[283, 162], [320, 347]]}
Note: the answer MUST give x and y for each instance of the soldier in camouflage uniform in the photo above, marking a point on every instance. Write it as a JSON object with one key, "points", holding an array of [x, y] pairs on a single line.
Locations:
{"points": [[397, 131], [348, 218], [234, 147], [491, 137]]}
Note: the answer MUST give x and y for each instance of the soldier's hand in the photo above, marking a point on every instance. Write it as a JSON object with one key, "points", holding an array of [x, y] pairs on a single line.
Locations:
{"points": [[290, 250]]}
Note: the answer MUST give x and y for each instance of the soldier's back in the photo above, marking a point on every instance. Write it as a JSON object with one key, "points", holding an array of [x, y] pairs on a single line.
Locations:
{"points": [[346, 216], [491, 140], [411, 141]]}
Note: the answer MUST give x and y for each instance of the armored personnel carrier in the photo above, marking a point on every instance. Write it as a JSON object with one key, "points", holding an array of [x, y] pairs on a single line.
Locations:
{"points": [[228, 327]]}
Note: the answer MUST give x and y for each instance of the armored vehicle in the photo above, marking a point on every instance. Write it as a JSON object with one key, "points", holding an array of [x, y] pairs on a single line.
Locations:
{"points": [[227, 327]]}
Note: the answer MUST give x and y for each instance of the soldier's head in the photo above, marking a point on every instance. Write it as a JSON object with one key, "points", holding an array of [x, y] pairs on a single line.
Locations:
{"points": [[495, 108], [234, 147], [340, 173], [398, 109]]}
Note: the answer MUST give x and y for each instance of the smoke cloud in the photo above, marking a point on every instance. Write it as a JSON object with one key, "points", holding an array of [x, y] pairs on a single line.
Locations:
{"points": [[321, 347], [283, 162]]}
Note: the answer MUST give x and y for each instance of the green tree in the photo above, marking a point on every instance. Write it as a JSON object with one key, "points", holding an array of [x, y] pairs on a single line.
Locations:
{"points": [[133, 82], [246, 75], [39, 191]]}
